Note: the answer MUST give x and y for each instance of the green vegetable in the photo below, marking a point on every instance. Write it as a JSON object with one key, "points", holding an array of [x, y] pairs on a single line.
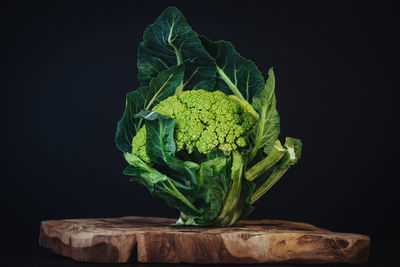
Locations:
{"points": [[189, 133]]}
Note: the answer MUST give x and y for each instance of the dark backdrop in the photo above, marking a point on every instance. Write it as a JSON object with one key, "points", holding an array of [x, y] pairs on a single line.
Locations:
{"points": [[68, 65]]}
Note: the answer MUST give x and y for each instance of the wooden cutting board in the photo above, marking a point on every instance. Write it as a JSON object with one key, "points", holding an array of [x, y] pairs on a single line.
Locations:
{"points": [[148, 239]]}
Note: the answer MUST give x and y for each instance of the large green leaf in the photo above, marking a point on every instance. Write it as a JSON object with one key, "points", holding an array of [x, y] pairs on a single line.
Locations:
{"points": [[268, 127], [138, 168], [170, 41], [160, 144], [236, 74], [211, 191], [145, 97], [212, 188], [161, 148], [158, 184]]}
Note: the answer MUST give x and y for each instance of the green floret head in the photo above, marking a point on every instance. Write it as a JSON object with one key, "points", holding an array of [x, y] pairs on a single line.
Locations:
{"points": [[203, 121], [139, 145]]}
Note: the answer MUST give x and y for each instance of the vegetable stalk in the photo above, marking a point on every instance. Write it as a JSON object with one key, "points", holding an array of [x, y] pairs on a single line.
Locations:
{"points": [[267, 163]]}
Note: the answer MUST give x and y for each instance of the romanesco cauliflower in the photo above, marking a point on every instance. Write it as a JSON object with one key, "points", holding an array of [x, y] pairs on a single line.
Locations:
{"points": [[229, 151], [203, 121]]}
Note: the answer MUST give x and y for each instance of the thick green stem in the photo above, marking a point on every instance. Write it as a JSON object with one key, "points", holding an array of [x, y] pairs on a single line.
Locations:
{"points": [[226, 217], [267, 163], [291, 156], [272, 179]]}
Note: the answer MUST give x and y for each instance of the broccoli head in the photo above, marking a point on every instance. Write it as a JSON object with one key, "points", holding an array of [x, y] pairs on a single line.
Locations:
{"points": [[203, 121]]}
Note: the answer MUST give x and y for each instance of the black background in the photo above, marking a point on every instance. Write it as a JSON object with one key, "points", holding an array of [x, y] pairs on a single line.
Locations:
{"points": [[68, 65]]}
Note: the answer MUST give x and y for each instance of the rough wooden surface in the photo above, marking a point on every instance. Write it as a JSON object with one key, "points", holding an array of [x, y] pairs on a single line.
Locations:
{"points": [[148, 239]]}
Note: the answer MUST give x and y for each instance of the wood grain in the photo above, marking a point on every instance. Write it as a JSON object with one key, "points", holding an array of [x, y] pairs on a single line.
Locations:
{"points": [[149, 239]]}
